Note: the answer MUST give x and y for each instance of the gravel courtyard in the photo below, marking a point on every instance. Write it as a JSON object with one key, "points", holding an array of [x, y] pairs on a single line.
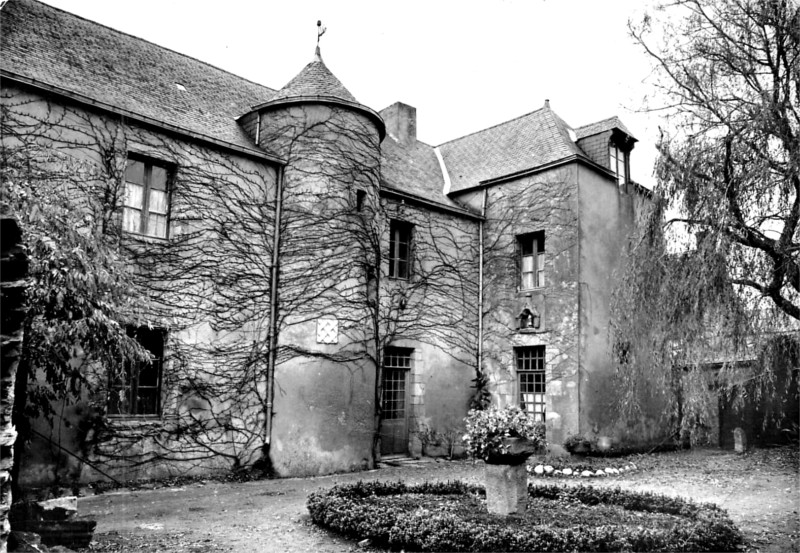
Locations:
{"points": [[760, 490]]}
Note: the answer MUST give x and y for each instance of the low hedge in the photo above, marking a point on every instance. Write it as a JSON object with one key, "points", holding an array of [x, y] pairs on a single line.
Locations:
{"points": [[627, 451], [452, 516]]}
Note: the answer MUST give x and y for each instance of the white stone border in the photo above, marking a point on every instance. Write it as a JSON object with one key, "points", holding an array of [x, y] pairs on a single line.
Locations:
{"points": [[549, 471]]}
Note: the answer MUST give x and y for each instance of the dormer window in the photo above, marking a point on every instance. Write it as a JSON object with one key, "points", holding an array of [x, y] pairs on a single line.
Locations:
{"points": [[619, 164]]}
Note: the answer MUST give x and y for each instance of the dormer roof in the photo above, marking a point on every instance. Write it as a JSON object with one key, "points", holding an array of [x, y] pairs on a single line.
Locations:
{"points": [[610, 124]]}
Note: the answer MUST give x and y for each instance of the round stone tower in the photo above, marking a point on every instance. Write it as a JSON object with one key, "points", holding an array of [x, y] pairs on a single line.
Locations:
{"points": [[329, 228]]}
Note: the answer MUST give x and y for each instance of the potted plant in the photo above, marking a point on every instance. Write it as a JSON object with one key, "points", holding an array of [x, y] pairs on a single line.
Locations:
{"points": [[577, 444], [503, 436]]}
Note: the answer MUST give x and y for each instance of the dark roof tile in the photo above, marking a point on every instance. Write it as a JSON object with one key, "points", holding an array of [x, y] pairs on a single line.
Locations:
{"points": [[414, 169], [527, 142], [602, 126], [314, 80], [73, 54]]}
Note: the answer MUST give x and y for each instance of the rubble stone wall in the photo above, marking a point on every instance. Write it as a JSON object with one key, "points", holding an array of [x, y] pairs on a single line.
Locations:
{"points": [[13, 268]]}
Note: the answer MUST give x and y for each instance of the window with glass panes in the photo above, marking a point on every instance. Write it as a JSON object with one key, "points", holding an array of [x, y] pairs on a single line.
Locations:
{"points": [[396, 364], [146, 203], [137, 391], [530, 380], [531, 248], [619, 164], [399, 249]]}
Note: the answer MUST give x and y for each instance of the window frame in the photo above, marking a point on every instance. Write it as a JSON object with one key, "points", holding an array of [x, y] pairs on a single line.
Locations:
{"points": [[129, 385], [531, 362], [398, 360], [538, 260], [397, 230], [618, 157], [144, 211]]}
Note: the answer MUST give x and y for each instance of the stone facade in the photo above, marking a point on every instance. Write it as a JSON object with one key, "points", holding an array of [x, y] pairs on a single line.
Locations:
{"points": [[327, 283]]}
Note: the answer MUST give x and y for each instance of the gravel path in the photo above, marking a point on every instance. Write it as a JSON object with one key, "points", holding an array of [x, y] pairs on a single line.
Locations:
{"points": [[760, 490]]}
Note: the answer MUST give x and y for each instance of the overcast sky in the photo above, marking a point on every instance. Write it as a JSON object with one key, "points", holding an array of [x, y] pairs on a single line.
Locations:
{"points": [[464, 65]]}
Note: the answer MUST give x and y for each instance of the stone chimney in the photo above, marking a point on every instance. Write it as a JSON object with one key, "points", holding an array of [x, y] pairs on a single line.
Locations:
{"points": [[401, 123]]}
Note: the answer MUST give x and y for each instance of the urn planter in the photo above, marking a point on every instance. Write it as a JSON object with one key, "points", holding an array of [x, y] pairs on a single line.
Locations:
{"points": [[504, 439], [514, 451]]}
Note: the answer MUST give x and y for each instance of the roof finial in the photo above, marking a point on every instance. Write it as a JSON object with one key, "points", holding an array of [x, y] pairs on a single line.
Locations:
{"points": [[320, 31]]}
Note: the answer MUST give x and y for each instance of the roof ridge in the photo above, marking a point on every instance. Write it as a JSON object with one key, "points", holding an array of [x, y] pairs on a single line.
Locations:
{"points": [[492, 127], [51, 7], [597, 122], [564, 129]]}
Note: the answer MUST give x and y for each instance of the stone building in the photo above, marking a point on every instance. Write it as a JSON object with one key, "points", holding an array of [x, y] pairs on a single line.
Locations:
{"points": [[313, 272]]}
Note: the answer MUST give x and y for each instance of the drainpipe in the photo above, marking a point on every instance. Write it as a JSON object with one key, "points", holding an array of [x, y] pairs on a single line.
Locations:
{"points": [[272, 337], [480, 278], [580, 294]]}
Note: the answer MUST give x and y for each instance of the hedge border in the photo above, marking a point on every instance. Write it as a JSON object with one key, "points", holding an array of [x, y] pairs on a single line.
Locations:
{"points": [[700, 527]]}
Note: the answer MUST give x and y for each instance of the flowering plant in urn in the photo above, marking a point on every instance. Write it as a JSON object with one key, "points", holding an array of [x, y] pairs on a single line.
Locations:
{"points": [[494, 434]]}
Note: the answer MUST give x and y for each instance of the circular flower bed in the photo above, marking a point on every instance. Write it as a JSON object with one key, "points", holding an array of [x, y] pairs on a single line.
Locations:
{"points": [[452, 516]]}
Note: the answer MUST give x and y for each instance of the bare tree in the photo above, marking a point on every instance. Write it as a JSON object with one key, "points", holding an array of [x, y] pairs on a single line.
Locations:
{"points": [[80, 284], [715, 267], [729, 72]]}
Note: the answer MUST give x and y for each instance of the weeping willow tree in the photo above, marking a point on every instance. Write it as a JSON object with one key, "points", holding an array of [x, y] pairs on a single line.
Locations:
{"points": [[713, 278]]}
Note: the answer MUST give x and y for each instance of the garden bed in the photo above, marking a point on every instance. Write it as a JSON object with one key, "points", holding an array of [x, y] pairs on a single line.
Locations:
{"points": [[452, 516]]}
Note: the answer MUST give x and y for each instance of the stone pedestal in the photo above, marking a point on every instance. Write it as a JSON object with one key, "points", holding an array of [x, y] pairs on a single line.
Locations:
{"points": [[739, 441], [506, 488]]}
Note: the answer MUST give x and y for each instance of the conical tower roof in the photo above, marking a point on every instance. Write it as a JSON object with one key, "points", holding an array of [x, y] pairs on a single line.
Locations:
{"points": [[315, 80], [315, 84]]}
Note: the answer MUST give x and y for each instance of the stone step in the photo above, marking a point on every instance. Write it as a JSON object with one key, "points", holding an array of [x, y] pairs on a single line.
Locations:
{"points": [[402, 461]]}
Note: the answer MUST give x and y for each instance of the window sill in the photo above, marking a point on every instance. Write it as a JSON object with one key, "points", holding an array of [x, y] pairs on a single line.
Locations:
{"points": [[531, 330], [134, 420], [145, 238]]}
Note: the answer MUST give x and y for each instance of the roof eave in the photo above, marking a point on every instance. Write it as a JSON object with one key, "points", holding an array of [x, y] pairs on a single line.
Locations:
{"points": [[576, 158], [144, 119], [329, 100], [388, 190]]}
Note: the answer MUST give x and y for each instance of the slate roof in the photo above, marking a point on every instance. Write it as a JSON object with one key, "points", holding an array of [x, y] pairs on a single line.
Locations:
{"points": [[414, 169], [315, 80], [532, 140], [602, 126], [70, 53]]}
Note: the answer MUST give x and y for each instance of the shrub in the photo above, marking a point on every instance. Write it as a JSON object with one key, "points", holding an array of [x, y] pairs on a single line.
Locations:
{"points": [[577, 443], [487, 429], [452, 516]]}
